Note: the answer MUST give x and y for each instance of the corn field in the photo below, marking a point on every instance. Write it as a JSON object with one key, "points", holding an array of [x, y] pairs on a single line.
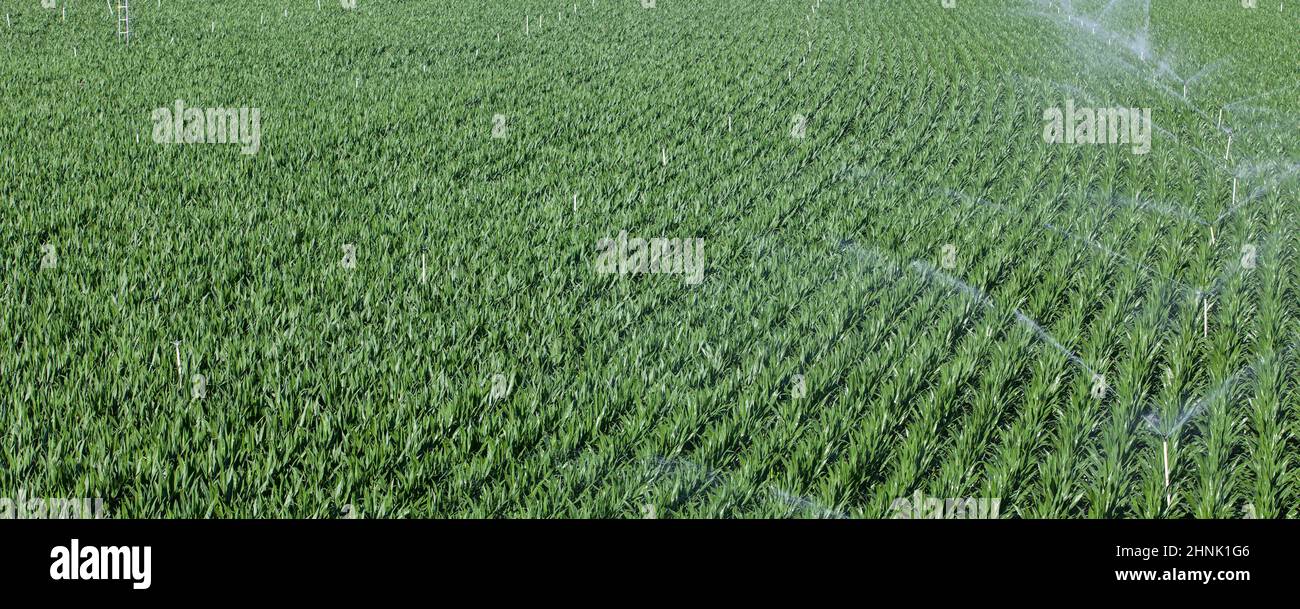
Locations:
{"points": [[651, 258]]}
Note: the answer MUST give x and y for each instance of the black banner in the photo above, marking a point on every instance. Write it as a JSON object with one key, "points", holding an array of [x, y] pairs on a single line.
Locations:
{"points": [[231, 559]]}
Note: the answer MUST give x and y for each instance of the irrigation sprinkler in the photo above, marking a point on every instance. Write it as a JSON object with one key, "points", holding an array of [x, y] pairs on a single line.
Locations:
{"points": [[1153, 421], [1221, 390], [1099, 387]]}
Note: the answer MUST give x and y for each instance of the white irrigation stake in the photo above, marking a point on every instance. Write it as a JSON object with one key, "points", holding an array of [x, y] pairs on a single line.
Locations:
{"points": [[1228, 151], [575, 201], [663, 156], [1205, 316], [1168, 499], [424, 278], [1220, 118], [1211, 234], [728, 123], [1234, 192], [525, 25], [179, 374]]}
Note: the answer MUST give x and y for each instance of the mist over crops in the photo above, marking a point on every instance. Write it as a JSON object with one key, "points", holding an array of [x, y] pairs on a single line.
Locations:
{"points": [[652, 258]]}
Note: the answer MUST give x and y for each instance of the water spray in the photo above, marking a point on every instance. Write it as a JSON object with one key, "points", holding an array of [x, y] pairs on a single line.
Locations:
{"points": [[1154, 422], [976, 294]]}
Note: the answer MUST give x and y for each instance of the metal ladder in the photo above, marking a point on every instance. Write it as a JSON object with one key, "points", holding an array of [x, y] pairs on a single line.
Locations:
{"points": [[124, 20]]}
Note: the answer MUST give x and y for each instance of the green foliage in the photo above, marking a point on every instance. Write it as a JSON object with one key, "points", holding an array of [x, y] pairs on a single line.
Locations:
{"points": [[638, 395]]}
